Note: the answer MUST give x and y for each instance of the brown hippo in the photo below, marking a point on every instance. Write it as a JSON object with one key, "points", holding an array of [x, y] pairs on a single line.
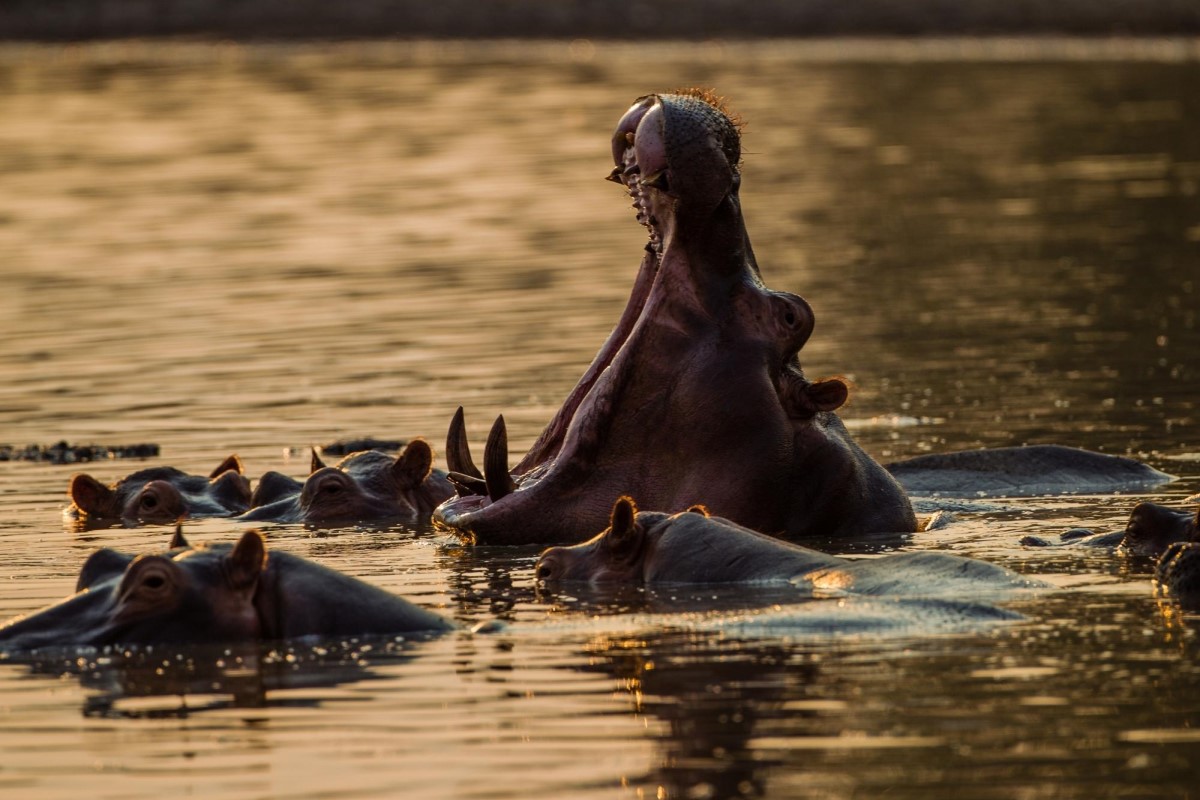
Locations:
{"points": [[650, 548], [1177, 575], [213, 593], [365, 486], [161, 495], [698, 395]]}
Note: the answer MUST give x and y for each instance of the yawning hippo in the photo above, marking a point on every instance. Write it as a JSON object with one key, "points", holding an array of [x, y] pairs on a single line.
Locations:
{"points": [[162, 495], [697, 396], [213, 593], [650, 548], [363, 487], [1177, 575]]}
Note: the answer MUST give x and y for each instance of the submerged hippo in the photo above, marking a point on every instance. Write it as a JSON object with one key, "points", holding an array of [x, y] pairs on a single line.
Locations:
{"points": [[366, 486], [161, 495], [1177, 575], [698, 395], [213, 593], [650, 548], [1153, 528]]}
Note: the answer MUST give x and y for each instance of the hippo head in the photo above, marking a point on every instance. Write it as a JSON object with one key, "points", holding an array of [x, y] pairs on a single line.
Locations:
{"points": [[367, 485], [162, 495], [698, 395], [1177, 575], [187, 594], [1151, 528], [618, 554]]}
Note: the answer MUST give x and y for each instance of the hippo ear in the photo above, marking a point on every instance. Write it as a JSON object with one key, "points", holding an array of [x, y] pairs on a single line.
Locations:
{"points": [[178, 542], [101, 565], [247, 560], [699, 509], [232, 463], [91, 496], [828, 395], [623, 533], [316, 462], [413, 466]]}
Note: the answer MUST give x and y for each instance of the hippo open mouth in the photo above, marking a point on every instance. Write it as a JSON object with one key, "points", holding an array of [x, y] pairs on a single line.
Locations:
{"points": [[697, 396]]}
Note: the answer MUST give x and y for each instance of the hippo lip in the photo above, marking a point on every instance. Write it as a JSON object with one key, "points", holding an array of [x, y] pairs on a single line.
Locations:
{"points": [[674, 191]]}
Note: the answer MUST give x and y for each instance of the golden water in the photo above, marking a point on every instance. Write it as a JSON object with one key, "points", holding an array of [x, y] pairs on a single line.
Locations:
{"points": [[251, 249]]}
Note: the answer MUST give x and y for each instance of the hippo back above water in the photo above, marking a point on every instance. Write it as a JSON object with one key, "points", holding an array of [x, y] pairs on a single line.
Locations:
{"points": [[652, 548]]}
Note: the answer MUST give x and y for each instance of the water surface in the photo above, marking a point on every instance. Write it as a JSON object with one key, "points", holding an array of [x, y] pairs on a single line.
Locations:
{"points": [[253, 249]]}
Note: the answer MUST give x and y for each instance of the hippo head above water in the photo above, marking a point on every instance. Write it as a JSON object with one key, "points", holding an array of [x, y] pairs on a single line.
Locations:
{"points": [[162, 495], [1152, 528], [362, 487], [698, 395], [212, 593]]}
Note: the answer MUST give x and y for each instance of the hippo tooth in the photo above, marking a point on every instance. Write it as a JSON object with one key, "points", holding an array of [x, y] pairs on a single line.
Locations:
{"points": [[458, 451], [615, 175], [495, 462]]}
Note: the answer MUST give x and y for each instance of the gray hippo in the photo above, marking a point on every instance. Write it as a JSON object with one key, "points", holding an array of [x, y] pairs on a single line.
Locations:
{"points": [[1177, 575], [161, 495], [367, 486], [697, 396], [213, 593], [649, 548]]}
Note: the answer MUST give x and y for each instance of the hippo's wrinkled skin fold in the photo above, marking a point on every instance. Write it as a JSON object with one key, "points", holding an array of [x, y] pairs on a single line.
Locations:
{"points": [[218, 593], [368, 486], [650, 548], [1177, 575], [161, 495], [1153, 528], [697, 396]]}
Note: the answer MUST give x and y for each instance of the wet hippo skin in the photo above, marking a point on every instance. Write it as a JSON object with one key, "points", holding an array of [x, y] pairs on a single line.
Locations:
{"points": [[698, 395], [213, 593], [367, 486], [161, 495], [650, 548]]}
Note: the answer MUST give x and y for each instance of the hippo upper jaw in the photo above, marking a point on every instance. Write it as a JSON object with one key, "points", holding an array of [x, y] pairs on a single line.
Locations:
{"points": [[698, 395]]}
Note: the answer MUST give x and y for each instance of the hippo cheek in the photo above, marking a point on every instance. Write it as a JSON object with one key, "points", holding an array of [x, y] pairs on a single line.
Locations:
{"points": [[156, 502]]}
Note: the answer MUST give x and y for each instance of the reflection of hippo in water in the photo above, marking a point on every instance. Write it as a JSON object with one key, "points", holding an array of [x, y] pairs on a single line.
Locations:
{"points": [[698, 395], [162, 495], [692, 547], [210, 594], [365, 486], [1177, 575]]}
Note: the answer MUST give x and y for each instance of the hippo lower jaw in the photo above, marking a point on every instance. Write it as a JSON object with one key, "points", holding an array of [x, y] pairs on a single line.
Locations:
{"points": [[697, 396]]}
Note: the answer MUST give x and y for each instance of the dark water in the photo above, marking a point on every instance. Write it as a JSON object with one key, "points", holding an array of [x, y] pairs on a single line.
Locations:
{"points": [[223, 249]]}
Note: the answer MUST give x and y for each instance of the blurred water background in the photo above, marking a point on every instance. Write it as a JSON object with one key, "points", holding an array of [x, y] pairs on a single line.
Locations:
{"points": [[257, 247]]}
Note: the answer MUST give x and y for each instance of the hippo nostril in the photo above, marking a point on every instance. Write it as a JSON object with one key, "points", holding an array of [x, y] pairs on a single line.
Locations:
{"points": [[790, 318]]}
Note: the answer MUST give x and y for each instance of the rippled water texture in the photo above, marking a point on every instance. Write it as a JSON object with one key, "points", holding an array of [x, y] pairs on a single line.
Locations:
{"points": [[251, 249]]}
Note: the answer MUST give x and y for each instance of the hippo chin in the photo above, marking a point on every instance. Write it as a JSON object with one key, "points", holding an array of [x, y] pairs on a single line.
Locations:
{"points": [[697, 396], [367, 486], [217, 593], [161, 495], [648, 548], [1177, 575]]}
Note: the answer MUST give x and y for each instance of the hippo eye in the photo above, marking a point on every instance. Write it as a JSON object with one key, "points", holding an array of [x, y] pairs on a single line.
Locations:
{"points": [[543, 572], [331, 488], [154, 582], [149, 501], [789, 318]]}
